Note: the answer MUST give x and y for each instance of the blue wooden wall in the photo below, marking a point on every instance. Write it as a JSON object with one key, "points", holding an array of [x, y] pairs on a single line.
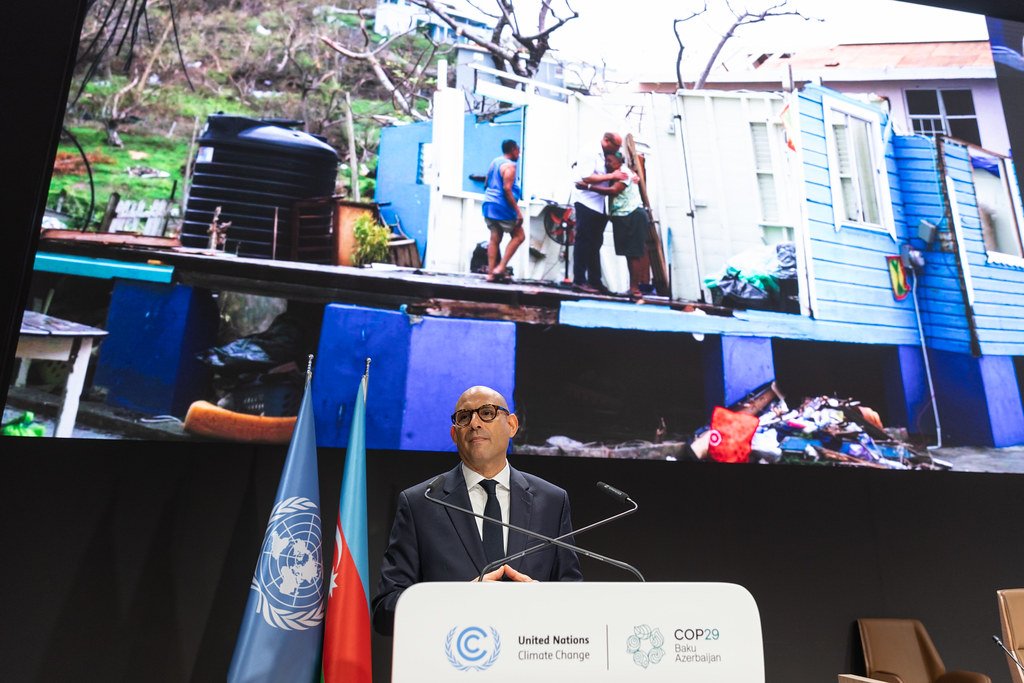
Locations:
{"points": [[943, 313], [998, 288], [851, 280]]}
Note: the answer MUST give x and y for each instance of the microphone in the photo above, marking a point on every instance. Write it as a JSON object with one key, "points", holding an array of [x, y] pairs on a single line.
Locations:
{"points": [[1009, 654], [614, 492], [433, 485], [610, 490]]}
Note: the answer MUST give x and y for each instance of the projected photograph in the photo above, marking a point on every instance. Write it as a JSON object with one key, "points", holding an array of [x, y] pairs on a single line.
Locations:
{"points": [[748, 232]]}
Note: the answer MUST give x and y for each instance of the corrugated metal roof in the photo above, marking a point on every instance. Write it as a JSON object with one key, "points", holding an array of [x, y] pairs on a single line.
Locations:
{"points": [[885, 56]]}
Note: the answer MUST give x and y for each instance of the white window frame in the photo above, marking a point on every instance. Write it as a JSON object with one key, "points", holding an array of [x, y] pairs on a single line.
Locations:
{"points": [[942, 115], [835, 109], [1003, 258], [774, 136]]}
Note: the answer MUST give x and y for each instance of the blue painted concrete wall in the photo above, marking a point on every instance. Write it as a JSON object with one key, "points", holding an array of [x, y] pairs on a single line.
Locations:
{"points": [[397, 178], [998, 289], [398, 165], [148, 362], [482, 142], [420, 367], [735, 366], [851, 280], [979, 400], [907, 395]]}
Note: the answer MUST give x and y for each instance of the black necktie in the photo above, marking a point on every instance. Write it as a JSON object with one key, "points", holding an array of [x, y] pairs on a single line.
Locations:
{"points": [[494, 543]]}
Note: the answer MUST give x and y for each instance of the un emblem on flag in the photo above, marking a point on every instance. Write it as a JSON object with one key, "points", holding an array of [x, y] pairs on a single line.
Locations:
{"points": [[289, 576]]}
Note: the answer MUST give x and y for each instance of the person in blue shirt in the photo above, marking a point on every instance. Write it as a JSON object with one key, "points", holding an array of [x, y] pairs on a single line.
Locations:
{"points": [[501, 210]]}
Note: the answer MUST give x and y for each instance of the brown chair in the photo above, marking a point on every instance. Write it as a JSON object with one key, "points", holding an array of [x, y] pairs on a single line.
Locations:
{"points": [[1011, 617], [900, 651]]}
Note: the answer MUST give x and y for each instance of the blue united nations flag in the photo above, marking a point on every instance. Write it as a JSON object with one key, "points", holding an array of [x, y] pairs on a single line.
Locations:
{"points": [[283, 624]]}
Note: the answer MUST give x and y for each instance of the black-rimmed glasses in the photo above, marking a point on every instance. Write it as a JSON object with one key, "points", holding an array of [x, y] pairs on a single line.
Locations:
{"points": [[487, 413]]}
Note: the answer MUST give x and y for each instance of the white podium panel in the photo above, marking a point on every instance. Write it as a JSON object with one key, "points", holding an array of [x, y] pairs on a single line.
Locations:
{"points": [[531, 632]]}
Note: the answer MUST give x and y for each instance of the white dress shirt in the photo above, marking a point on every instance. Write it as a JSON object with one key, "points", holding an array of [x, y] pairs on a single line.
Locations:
{"points": [[584, 168], [478, 497]]}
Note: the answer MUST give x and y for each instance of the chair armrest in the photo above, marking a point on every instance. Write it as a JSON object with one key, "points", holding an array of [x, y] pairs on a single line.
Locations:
{"points": [[885, 676], [963, 677]]}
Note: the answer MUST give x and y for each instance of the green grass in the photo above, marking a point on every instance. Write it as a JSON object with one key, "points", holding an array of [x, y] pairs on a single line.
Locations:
{"points": [[164, 154]]}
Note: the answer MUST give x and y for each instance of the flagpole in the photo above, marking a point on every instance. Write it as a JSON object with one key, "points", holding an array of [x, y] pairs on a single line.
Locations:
{"points": [[366, 374], [309, 367]]}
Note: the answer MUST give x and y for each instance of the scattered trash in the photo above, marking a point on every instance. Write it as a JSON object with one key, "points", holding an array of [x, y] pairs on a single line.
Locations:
{"points": [[25, 425], [259, 374], [823, 430], [146, 172]]}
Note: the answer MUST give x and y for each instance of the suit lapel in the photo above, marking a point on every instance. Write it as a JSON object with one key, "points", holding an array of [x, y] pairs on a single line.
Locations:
{"points": [[465, 525], [519, 514]]}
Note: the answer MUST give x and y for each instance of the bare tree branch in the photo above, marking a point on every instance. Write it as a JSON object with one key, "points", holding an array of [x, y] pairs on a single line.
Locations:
{"points": [[740, 19], [399, 99], [679, 39]]}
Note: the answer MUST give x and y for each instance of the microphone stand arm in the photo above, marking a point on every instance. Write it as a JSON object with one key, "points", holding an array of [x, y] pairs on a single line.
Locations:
{"points": [[527, 532], [540, 546]]}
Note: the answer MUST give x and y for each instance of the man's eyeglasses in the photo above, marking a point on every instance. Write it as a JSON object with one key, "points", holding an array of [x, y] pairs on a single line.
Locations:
{"points": [[487, 413]]}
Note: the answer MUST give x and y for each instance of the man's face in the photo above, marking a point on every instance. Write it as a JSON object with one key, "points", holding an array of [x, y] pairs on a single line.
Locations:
{"points": [[514, 154], [482, 445], [610, 144]]}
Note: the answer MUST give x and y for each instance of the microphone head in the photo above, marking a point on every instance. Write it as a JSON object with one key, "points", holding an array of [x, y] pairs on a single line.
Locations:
{"points": [[613, 492], [434, 484], [997, 641]]}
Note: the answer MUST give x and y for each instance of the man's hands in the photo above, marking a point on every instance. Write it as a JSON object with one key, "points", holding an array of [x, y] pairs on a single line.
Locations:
{"points": [[505, 571]]}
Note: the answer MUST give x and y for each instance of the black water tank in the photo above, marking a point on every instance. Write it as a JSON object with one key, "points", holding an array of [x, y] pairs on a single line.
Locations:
{"points": [[249, 168]]}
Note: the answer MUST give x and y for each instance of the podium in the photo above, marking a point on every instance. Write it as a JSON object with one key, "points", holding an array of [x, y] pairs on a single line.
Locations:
{"points": [[533, 632]]}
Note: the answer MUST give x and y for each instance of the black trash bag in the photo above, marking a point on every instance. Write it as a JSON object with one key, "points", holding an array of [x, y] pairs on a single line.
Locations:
{"points": [[785, 252], [283, 341], [734, 292], [478, 261]]}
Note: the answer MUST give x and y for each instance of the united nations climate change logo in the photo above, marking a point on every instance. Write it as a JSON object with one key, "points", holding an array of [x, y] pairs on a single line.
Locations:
{"points": [[645, 645], [289, 576], [473, 649]]}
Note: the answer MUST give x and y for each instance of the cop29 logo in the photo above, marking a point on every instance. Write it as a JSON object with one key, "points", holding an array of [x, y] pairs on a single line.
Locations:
{"points": [[473, 648], [646, 645]]}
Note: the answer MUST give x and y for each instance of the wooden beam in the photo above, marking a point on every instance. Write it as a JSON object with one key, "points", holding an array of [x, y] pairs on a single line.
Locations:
{"points": [[454, 308]]}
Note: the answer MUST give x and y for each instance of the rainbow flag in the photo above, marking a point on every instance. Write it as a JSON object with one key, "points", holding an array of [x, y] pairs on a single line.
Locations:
{"points": [[346, 656]]}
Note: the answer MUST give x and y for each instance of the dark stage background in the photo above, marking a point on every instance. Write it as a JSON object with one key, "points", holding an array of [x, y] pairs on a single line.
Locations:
{"points": [[128, 560]]}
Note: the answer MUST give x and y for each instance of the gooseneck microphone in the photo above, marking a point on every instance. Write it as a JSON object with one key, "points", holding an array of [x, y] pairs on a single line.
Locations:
{"points": [[606, 488], [1009, 654], [547, 539]]}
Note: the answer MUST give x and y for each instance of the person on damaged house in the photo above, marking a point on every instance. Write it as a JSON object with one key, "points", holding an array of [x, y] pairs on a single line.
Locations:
{"points": [[629, 224], [592, 215], [501, 211]]}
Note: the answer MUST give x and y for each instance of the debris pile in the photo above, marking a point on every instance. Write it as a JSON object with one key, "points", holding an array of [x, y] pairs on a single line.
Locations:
{"points": [[823, 430]]}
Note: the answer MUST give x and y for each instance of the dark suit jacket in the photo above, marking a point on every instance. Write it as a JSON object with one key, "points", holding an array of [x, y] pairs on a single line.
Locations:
{"points": [[430, 542]]}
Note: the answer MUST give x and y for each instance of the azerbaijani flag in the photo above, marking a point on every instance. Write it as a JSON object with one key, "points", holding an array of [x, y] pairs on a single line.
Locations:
{"points": [[346, 657], [283, 621]]}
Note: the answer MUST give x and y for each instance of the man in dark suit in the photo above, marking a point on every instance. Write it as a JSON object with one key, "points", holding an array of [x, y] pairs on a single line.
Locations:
{"points": [[430, 542]]}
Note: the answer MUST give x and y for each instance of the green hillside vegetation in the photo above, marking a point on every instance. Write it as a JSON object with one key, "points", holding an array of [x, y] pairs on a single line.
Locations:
{"points": [[244, 58]]}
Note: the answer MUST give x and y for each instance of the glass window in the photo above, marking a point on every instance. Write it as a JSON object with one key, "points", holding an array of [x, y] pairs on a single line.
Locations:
{"points": [[857, 168], [944, 112], [763, 169], [994, 186], [923, 101]]}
